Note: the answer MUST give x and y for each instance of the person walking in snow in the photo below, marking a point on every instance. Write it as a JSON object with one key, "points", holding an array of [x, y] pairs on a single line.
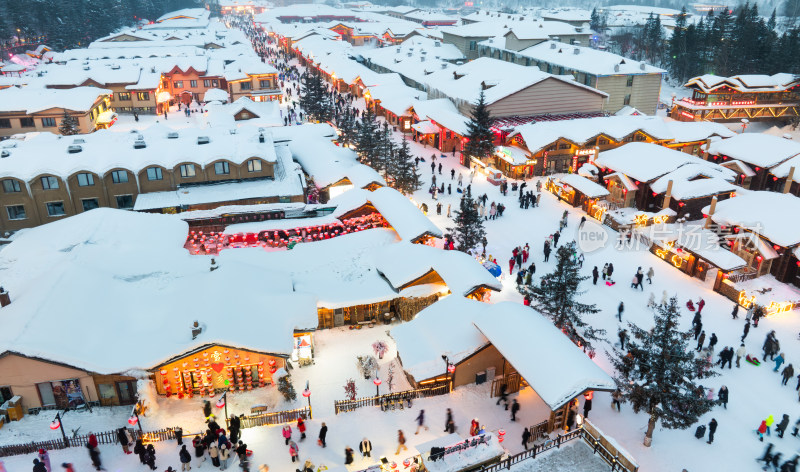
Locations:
{"points": [[185, 459], [778, 362], [735, 311], [623, 335], [38, 466], [294, 451], [650, 274], [595, 275], [746, 329], [526, 437], [741, 352], [770, 419], [616, 399], [701, 340], [287, 434], [138, 449], [723, 396], [556, 237], [787, 373], [546, 251], [421, 421], [365, 447], [514, 409], [45, 458], [348, 451], [781, 428], [150, 457], [199, 450], [712, 342], [712, 428], [301, 426], [620, 309], [323, 432], [224, 455], [401, 442]]}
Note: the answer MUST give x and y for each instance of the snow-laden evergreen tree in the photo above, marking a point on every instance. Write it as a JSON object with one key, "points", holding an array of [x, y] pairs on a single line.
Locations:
{"points": [[286, 388], [367, 140], [68, 125], [386, 149], [479, 132], [658, 373], [406, 177], [468, 231], [346, 123], [314, 97], [557, 297]]}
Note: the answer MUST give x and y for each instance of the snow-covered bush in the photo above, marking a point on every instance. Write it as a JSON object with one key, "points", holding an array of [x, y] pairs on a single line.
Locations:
{"points": [[366, 365]]}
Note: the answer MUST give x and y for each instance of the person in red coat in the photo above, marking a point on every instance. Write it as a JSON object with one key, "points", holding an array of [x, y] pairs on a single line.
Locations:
{"points": [[92, 440], [301, 426], [511, 266]]}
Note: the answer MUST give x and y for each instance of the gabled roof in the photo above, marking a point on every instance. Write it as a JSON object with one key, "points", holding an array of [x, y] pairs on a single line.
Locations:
{"points": [[765, 213], [745, 83], [646, 162], [757, 149]]}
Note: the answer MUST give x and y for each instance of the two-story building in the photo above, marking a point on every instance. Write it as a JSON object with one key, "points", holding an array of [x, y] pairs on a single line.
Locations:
{"points": [[253, 79], [27, 109]]}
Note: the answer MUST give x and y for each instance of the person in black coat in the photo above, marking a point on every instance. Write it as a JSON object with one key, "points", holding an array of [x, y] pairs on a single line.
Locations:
{"points": [[365, 447], [514, 409], [185, 458], [348, 454], [595, 275], [241, 451], [207, 409], [122, 437], [179, 435], [526, 437], [139, 450], [712, 428], [150, 457], [723, 396], [94, 455], [236, 426], [448, 420], [38, 466], [781, 428], [323, 431], [199, 450]]}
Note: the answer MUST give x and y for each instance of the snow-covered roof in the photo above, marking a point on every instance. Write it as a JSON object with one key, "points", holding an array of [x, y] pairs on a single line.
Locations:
{"points": [[443, 112], [525, 338], [696, 180], [31, 99], [328, 163], [539, 29], [47, 153], [114, 277], [405, 262], [783, 169], [647, 161], [589, 60], [770, 214], [757, 149], [502, 78], [584, 185], [216, 94], [745, 83], [540, 135], [624, 180], [705, 243]]}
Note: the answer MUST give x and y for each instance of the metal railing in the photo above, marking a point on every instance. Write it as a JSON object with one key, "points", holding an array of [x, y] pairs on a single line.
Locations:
{"points": [[342, 406]]}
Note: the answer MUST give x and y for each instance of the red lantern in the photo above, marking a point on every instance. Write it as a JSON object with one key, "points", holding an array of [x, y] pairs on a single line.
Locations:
{"points": [[451, 368], [55, 424], [377, 381], [133, 420], [758, 258], [306, 393]]}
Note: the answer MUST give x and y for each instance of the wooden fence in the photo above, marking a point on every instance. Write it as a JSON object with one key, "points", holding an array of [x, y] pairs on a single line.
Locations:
{"points": [[276, 417], [104, 437], [342, 406], [591, 435]]}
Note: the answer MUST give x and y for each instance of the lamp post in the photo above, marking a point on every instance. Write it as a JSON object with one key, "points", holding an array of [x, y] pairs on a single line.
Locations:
{"points": [[134, 419], [745, 122], [307, 394], [377, 383], [450, 369], [56, 424], [222, 403]]}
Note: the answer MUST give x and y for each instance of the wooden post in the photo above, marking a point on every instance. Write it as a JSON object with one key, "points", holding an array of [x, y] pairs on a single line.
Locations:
{"points": [[711, 211], [667, 196], [788, 184]]}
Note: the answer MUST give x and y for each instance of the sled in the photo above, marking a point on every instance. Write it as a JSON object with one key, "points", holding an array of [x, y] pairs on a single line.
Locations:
{"points": [[753, 360], [690, 305], [610, 282]]}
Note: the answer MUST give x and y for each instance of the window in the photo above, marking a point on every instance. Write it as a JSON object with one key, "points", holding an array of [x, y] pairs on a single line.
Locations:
{"points": [[206, 83], [55, 209], [627, 100], [124, 95], [193, 83], [90, 204], [85, 180], [187, 170], [5, 123], [26, 122], [630, 81], [264, 84], [222, 168], [124, 202], [11, 186], [602, 141], [49, 183], [119, 176], [254, 165], [48, 122], [143, 96], [639, 137], [46, 394], [177, 84], [473, 45], [588, 80], [245, 86], [215, 83], [107, 392], [154, 173], [16, 212], [563, 145]]}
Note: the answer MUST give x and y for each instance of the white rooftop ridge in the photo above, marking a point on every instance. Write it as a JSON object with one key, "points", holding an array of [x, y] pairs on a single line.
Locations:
{"points": [[31, 99], [647, 161], [758, 149], [593, 61], [763, 212]]}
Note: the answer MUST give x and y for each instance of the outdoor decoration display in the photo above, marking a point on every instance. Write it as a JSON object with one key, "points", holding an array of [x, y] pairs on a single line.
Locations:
{"points": [[215, 370], [198, 242]]}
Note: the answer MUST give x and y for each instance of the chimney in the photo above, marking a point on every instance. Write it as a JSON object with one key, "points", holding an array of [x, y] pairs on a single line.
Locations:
{"points": [[576, 51], [553, 45], [196, 329], [5, 298], [642, 65], [711, 210], [483, 85], [786, 186], [616, 67], [667, 196]]}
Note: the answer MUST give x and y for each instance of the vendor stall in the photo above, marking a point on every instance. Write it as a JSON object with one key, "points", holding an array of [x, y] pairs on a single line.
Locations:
{"points": [[452, 453]]}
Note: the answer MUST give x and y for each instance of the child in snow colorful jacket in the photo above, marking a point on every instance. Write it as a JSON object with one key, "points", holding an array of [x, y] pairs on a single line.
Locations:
{"points": [[287, 433]]}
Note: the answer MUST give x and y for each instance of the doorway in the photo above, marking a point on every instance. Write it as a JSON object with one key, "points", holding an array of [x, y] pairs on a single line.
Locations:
{"points": [[126, 392]]}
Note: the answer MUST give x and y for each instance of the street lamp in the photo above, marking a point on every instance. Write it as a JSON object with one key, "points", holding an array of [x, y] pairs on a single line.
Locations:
{"points": [[56, 424], [745, 122], [222, 403], [134, 419], [377, 383], [450, 369]]}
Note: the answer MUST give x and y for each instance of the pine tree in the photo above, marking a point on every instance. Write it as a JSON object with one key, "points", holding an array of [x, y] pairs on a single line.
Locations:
{"points": [[557, 295], [468, 231], [386, 148], [406, 178], [314, 97], [367, 140], [594, 21], [658, 373], [479, 132], [286, 388], [68, 125], [347, 128]]}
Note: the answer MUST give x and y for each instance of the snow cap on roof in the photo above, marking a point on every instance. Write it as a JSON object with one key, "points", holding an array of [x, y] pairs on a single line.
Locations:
{"points": [[769, 214]]}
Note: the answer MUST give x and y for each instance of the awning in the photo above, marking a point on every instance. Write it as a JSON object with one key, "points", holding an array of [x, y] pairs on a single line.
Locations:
{"points": [[426, 127], [163, 97]]}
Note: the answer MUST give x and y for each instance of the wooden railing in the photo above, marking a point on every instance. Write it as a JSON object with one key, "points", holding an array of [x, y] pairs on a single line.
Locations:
{"points": [[104, 437], [390, 399], [590, 434], [273, 418]]}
